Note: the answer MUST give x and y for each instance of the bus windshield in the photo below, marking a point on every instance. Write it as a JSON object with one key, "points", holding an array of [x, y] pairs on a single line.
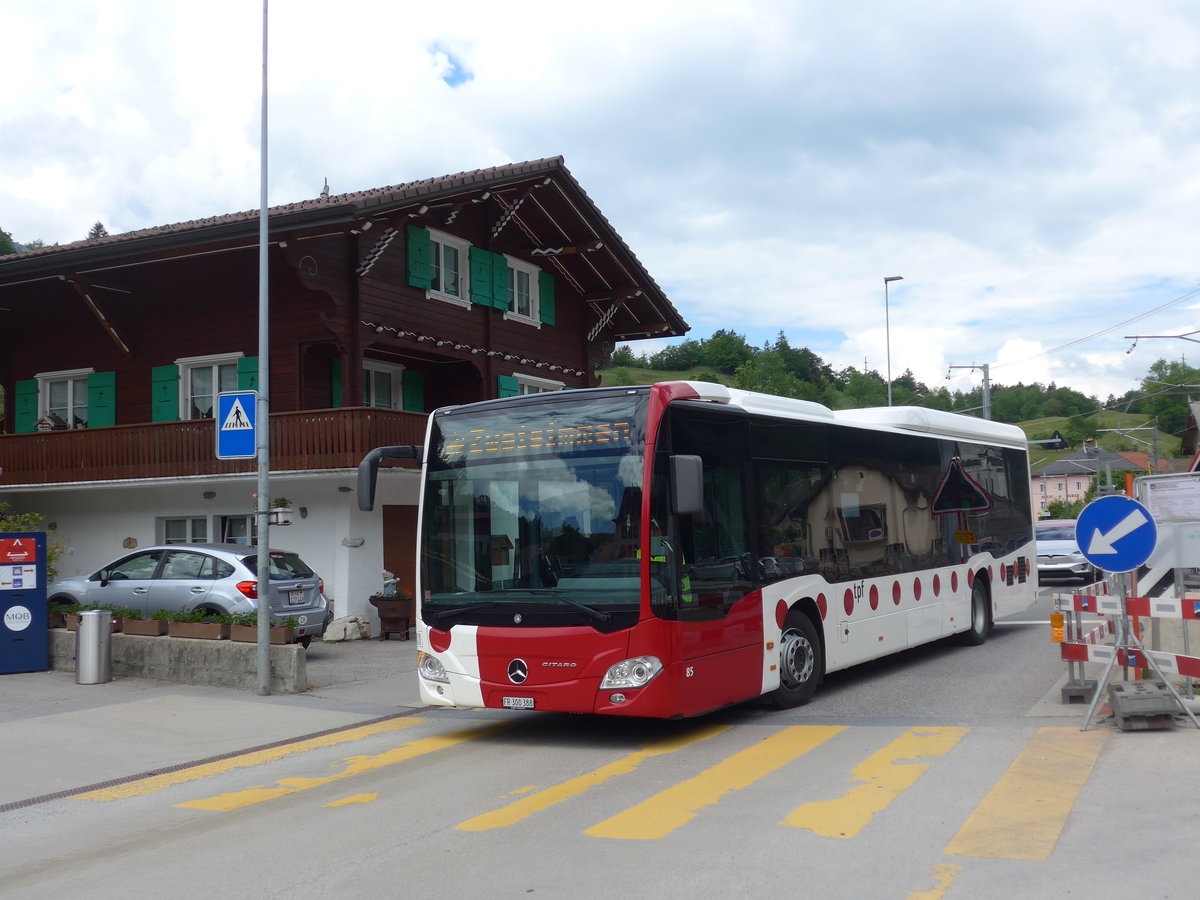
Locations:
{"points": [[532, 513]]}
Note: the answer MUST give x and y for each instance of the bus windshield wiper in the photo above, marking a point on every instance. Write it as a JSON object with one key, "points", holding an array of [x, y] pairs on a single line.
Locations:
{"points": [[598, 615], [443, 614]]}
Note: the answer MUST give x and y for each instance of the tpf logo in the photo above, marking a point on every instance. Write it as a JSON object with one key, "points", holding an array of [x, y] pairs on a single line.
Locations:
{"points": [[17, 618]]}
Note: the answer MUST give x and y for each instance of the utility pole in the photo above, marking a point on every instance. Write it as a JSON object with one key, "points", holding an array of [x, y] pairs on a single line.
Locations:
{"points": [[987, 387]]}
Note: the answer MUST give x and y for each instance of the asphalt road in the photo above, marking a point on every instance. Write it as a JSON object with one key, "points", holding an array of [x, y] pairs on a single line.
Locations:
{"points": [[946, 771]]}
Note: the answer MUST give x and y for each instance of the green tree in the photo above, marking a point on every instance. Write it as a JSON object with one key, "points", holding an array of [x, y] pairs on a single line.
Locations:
{"points": [[767, 372], [725, 351], [97, 231], [623, 356], [6, 243], [1166, 395]]}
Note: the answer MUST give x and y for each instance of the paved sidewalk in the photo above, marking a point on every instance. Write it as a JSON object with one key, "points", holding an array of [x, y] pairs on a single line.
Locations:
{"points": [[58, 736]]}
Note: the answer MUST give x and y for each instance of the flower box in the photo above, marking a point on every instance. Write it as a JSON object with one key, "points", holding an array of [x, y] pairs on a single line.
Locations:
{"points": [[144, 627], [205, 631], [280, 634], [396, 615], [73, 622]]}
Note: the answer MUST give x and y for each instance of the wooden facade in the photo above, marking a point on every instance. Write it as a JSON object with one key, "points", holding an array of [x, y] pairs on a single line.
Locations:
{"points": [[125, 318]]}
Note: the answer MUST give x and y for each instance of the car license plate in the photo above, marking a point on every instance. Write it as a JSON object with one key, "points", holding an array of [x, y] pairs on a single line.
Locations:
{"points": [[295, 598], [517, 702]]}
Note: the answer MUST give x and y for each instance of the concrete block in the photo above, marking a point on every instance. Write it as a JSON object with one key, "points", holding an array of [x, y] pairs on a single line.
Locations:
{"points": [[229, 664]]}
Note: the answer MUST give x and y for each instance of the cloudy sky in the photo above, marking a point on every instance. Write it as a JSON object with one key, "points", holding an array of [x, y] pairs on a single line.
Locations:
{"points": [[1031, 169]]}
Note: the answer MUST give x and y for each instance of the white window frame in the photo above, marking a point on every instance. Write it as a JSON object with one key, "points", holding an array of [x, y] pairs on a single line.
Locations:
{"points": [[531, 384], [188, 364], [189, 524], [72, 378], [532, 271], [438, 240], [395, 373]]}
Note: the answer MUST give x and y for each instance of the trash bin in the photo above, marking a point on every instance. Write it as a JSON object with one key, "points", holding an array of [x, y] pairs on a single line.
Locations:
{"points": [[93, 647]]}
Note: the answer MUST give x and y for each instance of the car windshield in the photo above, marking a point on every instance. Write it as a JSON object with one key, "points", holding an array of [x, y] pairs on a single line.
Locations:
{"points": [[1056, 531], [283, 566]]}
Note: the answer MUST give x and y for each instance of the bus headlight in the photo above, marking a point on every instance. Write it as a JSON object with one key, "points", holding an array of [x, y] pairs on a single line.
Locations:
{"points": [[430, 669], [632, 673]]}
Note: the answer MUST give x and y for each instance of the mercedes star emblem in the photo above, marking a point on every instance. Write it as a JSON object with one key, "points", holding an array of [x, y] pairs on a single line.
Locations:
{"points": [[518, 671]]}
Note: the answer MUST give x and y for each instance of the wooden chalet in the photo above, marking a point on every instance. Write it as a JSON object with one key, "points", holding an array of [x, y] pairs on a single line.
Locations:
{"points": [[384, 305]]}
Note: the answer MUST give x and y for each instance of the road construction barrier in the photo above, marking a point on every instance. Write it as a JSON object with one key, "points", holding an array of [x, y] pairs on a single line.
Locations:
{"points": [[1127, 650]]}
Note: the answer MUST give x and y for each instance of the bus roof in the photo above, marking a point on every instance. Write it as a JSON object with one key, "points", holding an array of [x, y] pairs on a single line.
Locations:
{"points": [[901, 418]]}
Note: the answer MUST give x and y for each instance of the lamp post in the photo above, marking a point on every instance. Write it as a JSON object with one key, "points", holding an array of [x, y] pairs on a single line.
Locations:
{"points": [[887, 330]]}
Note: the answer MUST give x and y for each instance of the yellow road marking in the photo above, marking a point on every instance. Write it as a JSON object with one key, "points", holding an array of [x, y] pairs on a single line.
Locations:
{"points": [[678, 805], [355, 798], [532, 803], [1025, 811], [883, 780], [193, 773], [355, 765], [943, 876]]}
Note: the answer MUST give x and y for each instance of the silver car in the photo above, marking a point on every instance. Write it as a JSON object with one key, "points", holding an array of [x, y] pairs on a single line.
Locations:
{"points": [[219, 578], [1058, 555]]}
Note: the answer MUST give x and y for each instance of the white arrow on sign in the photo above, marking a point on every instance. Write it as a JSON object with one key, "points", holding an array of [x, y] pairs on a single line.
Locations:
{"points": [[1103, 543]]}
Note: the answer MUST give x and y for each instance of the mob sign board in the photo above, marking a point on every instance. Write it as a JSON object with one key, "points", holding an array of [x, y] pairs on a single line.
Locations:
{"points": [[235, 420], [1116, 533], [24, 631]]}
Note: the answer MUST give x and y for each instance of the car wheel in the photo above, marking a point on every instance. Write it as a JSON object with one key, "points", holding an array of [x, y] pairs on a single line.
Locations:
{"points": [[800, 663], [305, 641]]}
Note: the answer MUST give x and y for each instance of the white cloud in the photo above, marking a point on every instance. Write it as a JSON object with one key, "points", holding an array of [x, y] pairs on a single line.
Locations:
{"points": [[1032, 171]]}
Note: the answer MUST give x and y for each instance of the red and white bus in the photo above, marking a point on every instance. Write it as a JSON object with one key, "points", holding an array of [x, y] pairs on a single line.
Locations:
{"points": [[671, 549]]}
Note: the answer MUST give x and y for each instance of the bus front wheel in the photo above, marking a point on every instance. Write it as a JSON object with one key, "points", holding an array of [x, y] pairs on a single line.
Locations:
{"points": [[800, 663]]}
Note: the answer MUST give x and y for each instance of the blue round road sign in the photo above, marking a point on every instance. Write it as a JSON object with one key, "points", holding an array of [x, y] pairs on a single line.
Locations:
{"points": [[1116, 533]]}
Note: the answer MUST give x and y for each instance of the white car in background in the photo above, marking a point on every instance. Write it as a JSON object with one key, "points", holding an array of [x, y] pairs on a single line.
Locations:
{"points": [[1058, 555]]}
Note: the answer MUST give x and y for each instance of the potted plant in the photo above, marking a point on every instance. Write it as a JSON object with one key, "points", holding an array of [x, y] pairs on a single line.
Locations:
{"points": [[133, 623], [280, 511], [244, 627], [58, 613], [197, 623], [396, 608], [73, 616]]}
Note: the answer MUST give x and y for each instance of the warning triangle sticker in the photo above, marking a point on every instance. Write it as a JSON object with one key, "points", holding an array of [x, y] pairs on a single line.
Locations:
{"points": [[236, 419], [958, 492]]}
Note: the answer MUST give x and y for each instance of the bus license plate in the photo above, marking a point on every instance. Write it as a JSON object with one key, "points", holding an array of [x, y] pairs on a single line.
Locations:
{"points": [[517, 702], [295, 598]]}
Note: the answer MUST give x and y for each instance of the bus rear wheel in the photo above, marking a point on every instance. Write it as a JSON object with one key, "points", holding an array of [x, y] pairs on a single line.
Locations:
{"points": [[980, 616], [800, 663]]}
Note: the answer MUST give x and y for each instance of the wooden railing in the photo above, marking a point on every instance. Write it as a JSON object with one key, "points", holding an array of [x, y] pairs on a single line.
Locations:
{"points": [[313, 439]]}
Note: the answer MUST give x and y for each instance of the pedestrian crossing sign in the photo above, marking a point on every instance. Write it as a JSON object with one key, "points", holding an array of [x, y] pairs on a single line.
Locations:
{"points": [[235, 419]]}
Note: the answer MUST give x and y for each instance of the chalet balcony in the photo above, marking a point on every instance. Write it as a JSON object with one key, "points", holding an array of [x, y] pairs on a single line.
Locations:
{"points": [[312, 439]]}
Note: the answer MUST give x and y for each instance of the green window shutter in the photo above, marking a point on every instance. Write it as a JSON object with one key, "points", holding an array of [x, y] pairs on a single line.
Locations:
{"points": [[482, 290], [102, 399], [499, 281], [546, 297], [506, 386], [335, 381], [26, 399], [420, 257], [164, 394], [248, 373], [414, 392]]}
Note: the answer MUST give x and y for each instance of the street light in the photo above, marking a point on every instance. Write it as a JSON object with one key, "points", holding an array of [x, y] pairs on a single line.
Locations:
{"points": [[887, 326]]}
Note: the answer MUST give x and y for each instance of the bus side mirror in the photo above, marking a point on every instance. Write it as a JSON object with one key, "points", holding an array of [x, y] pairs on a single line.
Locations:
{"points": [[687, 485], [368, 470]]}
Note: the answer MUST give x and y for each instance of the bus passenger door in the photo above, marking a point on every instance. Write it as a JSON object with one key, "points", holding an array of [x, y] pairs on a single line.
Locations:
{"points": [[719, 614]]}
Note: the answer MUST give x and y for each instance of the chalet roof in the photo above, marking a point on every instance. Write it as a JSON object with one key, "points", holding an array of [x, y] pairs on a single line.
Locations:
{"points": [[346, 210], [1085, 461]]}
